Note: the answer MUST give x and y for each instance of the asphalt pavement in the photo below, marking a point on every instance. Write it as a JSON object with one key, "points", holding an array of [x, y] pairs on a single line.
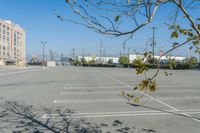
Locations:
{"points": [[93, 95]]}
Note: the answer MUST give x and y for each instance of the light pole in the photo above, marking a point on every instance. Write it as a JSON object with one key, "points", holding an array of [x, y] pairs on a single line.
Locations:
{"points": [[43, 43], [153, 43]]}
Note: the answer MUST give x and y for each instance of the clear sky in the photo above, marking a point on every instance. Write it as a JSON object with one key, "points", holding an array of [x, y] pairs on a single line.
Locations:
{"points": [[40, 24]]}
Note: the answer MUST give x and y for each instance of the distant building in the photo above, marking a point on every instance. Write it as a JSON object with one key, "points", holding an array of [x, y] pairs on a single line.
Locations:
{"points": [[99, 59], [132, 57], [12, 43], [51, 63]]}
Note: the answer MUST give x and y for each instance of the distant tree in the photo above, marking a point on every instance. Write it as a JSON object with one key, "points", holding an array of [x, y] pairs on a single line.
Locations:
{"points": [[83, 61], [123, 60], [193, 61], [152, 60], [91, 62], [34, 60], [110, 61], [111, 17], [77, 62]]}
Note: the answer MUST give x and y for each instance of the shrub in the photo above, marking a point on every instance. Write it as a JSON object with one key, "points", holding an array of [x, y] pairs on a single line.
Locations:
{"points": [[123, 60]]}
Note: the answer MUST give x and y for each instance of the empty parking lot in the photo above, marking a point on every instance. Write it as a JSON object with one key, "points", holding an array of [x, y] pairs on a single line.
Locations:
{"points": [[94, 95]]}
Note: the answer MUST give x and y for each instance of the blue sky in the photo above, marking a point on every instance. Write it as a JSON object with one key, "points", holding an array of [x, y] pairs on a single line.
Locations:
{"points": [[40, 23]]}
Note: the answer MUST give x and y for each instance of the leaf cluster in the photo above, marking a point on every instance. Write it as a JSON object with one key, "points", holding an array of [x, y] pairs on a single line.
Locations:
{"points": [[190, 34]]}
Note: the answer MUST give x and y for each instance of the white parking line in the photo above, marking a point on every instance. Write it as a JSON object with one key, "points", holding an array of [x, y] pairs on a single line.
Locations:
{"points": [[125, 114], [90, 92], [175, 86], [86, 92], [89, 101], [178, 90], [90, 84], [178, 98], [18, 72], [93, 87], [157, 100], [144, 94], [122, 100]]}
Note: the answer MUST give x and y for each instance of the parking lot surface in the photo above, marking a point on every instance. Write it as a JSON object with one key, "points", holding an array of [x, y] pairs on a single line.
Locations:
{"points": [[93, 94]]}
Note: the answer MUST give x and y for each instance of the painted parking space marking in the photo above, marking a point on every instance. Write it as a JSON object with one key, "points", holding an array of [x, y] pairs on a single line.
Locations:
{"points": [[86, 92], [122, 100], [90, 84], [125, 114], [157, 100], [97, 87], [19, 72], [89, 101]]}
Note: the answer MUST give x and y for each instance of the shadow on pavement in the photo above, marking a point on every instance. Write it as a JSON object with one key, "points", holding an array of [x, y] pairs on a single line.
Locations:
{"points": [[18, 117]]}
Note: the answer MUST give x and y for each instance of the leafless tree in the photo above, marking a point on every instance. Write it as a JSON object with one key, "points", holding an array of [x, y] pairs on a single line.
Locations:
{"points": [[125, 17]]}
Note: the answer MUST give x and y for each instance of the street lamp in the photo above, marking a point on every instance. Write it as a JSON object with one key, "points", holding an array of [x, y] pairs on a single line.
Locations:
{"points": [[43, 43]]}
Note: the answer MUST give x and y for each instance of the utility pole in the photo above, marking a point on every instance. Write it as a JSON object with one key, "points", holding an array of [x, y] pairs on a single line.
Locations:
{"points": [[83, 53], [51, 55], [83, 56], [43, 43], [73, 53], [104, 54], [101, 50], [146, 49], [129, 52], [153, 43], [124, 48]]}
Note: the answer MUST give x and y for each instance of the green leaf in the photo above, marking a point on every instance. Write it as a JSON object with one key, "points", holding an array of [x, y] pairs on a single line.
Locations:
{"points": [[145, 54], [175, 44], [183, 31], [174, 34], [136, 100], [152, 86], [135, 88], [117, 18], [190, 34], [199, 26], [130, 95], [178, 26]]}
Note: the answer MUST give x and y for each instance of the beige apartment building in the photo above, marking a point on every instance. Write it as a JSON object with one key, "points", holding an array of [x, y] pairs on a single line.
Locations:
{"points": [[12, 43]]}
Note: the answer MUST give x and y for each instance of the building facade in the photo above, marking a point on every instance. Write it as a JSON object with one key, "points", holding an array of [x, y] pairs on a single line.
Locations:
{"points": [[132, 57], [12, 43]]}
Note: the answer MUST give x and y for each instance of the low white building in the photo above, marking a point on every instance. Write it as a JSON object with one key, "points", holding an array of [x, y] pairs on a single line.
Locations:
{"points": [[99, 59], [51, 63], [132, 57]]}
